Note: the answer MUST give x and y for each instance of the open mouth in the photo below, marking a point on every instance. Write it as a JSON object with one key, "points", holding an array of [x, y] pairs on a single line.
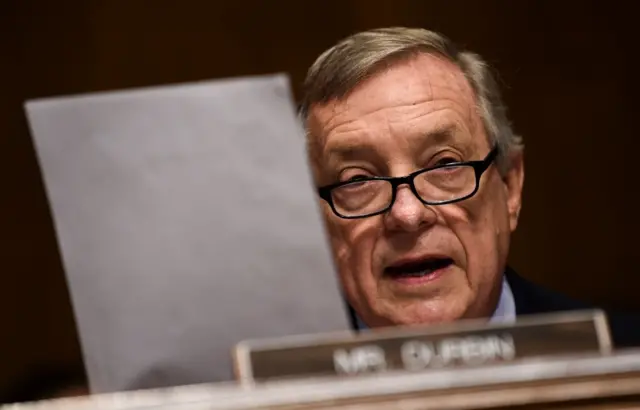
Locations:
{"points": [[418, 269]]}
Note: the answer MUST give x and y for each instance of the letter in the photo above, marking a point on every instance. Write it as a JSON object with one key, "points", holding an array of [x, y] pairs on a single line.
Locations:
{"points": [[506, 347], [342, 362], [450, 350], [474, 350], [416, 355]]}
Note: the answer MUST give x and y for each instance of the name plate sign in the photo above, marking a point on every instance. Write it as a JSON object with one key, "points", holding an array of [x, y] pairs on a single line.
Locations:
{"points": [[464, 343]]}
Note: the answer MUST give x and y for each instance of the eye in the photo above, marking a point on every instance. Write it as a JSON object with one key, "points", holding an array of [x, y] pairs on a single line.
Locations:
{"points": [[446, 160], [354, 175]]}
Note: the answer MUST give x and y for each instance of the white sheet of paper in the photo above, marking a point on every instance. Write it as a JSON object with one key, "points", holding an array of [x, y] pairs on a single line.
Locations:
{"points": [[187, 222]]}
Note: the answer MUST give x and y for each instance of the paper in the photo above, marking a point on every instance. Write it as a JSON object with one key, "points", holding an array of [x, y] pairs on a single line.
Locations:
{"points": [[187, 222]]}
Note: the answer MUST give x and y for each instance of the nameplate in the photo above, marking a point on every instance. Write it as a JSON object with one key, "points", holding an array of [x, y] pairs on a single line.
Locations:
{"points": [[589, 381], [464, 343]]}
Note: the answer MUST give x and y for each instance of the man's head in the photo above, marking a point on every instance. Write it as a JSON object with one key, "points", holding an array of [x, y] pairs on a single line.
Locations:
{"points": [[397, 102]]}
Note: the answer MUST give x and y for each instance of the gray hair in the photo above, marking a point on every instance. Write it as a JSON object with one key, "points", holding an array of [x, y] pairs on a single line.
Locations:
{"points": [[354, 59]]}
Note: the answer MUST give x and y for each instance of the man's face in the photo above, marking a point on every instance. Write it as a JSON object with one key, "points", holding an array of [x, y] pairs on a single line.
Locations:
{"points": [[415, 263]]}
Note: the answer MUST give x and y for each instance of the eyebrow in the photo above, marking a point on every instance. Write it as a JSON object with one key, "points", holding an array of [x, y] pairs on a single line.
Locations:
{"points": [[442, 133], [352, 150]]}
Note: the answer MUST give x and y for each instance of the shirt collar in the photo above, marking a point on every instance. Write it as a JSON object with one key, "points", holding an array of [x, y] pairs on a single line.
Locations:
{"points": [[505, 311]]}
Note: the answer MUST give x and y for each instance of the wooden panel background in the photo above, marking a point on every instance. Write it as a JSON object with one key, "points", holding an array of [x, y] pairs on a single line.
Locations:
{"points": [[565, 67]]}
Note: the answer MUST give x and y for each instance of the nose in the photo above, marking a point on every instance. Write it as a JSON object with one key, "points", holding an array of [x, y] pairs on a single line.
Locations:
{"points": [[408, 213]]}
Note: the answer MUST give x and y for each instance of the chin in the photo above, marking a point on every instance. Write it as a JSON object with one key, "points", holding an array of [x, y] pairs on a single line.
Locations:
{"points": [[428, 315]]}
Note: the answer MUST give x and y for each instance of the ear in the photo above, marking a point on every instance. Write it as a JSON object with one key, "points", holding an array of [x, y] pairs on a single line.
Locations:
{"points": [[513, 181]]}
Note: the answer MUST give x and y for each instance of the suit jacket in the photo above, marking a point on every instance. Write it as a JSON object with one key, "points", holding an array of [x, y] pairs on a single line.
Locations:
{"points": [[533, 299]]}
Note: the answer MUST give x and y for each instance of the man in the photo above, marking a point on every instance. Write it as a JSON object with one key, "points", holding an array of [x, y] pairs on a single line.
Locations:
{"points": [[421, 177]]}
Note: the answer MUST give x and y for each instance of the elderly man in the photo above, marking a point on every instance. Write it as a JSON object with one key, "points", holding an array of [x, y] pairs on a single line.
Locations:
{"points": [[420, 175]]}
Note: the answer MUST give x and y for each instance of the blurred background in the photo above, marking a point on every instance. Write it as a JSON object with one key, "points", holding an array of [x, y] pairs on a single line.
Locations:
{"points": [[565, 69]]}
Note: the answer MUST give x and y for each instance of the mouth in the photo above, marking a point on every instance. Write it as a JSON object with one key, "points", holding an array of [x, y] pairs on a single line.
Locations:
{"points": [[418, 270]]}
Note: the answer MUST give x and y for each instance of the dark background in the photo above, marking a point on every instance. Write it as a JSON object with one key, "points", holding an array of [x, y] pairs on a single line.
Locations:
{"points": [[566, 72]]}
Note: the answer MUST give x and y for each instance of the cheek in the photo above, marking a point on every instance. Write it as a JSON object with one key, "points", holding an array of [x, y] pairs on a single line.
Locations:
{"points": [[481, 224], [353, 243]]}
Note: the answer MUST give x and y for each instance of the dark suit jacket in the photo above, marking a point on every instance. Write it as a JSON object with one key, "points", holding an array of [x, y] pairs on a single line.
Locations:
{"points": [[533, 299]]}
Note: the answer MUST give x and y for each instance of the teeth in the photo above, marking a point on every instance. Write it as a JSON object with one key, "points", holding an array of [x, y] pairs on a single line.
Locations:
{"points": [[417, 274]]}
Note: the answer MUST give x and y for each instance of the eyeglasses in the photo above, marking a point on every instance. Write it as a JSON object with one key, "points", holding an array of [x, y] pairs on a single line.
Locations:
{"points": [[439, 185]]}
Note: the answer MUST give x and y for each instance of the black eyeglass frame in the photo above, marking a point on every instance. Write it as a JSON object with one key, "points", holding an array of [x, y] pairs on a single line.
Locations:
{"points": [[479, 167]]}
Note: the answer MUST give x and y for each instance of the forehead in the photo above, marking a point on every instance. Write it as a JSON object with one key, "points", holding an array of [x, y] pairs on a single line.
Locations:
{"points": [[404, 90]]}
